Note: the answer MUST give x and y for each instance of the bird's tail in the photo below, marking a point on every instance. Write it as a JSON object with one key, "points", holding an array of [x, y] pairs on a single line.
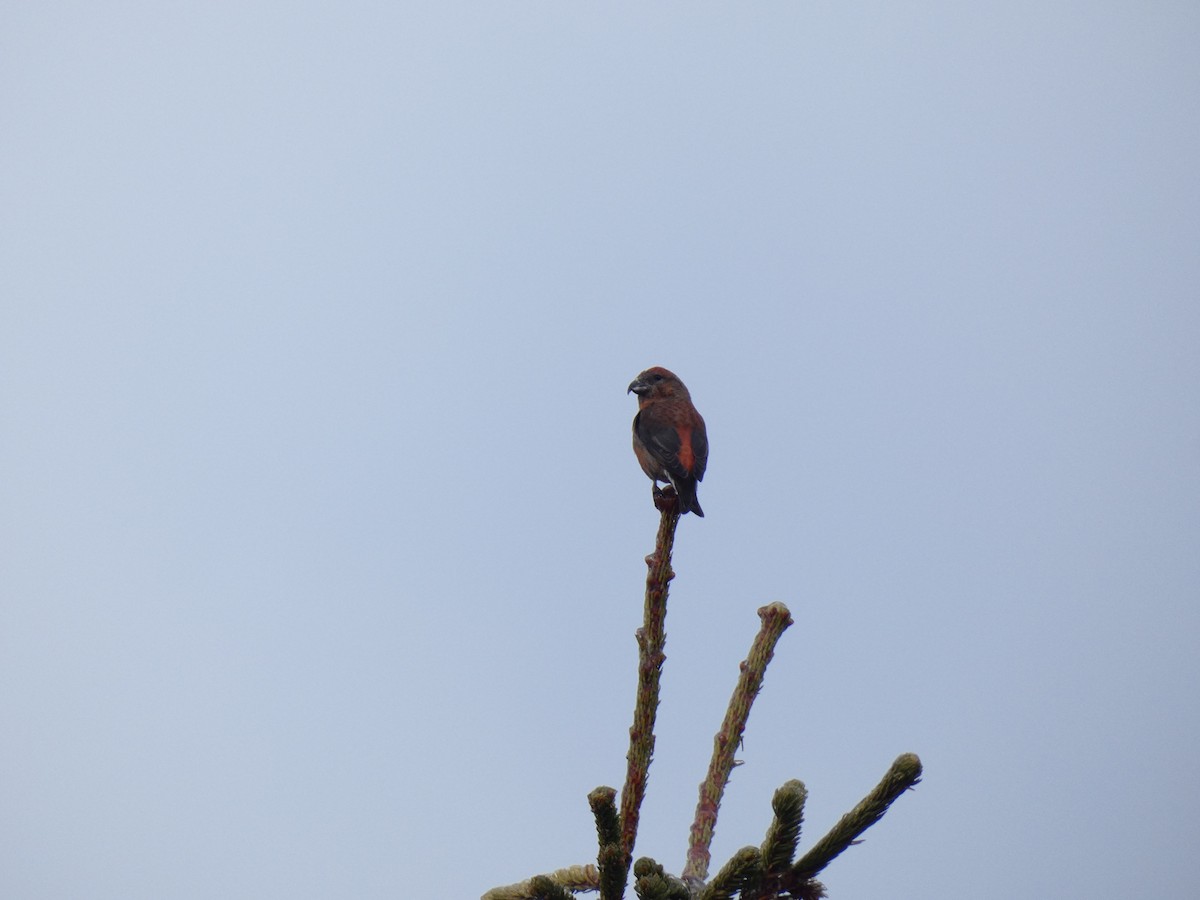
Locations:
{"points": [[687, 499]]}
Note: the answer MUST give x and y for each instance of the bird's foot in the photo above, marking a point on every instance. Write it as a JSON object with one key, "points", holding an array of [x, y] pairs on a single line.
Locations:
{"points": [[665, 498]]}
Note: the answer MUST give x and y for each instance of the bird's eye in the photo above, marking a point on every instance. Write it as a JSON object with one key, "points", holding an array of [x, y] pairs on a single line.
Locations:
{"points": [[656, 377]]}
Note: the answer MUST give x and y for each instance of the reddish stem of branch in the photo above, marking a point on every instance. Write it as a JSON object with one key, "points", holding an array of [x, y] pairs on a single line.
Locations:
{"points": [[775, 619], [651, 638]]}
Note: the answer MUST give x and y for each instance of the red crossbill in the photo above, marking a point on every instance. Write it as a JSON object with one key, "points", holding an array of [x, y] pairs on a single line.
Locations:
{"points": [[668, 435]]}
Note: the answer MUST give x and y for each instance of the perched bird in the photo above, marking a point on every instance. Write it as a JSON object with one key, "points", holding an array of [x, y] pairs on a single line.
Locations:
{"points": [[668, 435]]}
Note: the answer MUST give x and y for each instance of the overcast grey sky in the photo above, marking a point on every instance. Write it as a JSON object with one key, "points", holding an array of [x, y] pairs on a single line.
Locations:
{"points": [[322, 535]]}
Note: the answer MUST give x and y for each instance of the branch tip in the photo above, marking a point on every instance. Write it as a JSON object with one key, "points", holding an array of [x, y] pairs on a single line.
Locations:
{"points": [[903, 774]]}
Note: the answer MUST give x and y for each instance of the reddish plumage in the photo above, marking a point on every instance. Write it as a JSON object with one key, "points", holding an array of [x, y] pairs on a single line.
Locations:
{"points": [[668, 435]]}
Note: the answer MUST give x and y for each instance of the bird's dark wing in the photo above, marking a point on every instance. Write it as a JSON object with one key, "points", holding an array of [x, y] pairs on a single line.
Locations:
{"points": [[700, 450], [661, 439]]}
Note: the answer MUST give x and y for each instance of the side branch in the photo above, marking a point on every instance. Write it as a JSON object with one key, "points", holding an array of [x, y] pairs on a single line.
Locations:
{"points": [[653, 883], [611, 860], [904, 774], [651, 638], [779, 846], [542, 887], [573, 878], [775, 620], [741, 872]]}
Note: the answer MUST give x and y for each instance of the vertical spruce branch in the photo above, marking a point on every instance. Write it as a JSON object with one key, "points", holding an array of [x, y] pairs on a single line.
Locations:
{"points": [[651, 639]]}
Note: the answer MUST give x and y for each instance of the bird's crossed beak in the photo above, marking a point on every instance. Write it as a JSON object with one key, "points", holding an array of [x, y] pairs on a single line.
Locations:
{"points": [[638, 387]]}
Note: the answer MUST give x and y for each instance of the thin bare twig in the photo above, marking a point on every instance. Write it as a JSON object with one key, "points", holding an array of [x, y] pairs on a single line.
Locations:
{"points": [[651, 638], [775, 620]]}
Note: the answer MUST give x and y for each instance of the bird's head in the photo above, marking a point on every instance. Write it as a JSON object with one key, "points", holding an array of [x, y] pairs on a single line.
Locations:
{"points": [[657, 382]]}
